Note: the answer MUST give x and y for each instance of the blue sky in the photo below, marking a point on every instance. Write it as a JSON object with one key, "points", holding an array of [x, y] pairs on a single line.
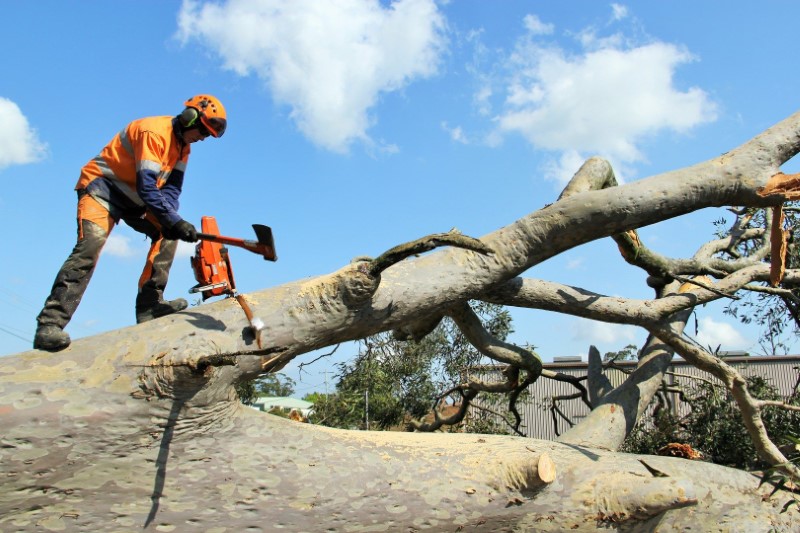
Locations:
{"points": [[357, 125]]}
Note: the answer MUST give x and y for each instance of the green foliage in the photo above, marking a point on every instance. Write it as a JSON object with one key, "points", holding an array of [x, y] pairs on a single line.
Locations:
{"points": [[777, 315], [779, 479], [485, 425], [266, 385], [340, 410], [277, 411], [246, 390], [390, 380], [649, 436], [714, 425], [315, 397], [278, 385], [628, 353]]}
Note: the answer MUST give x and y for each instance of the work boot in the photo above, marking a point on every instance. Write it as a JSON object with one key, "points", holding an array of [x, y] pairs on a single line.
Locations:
{"points": [[51, 338], [159, 309]]}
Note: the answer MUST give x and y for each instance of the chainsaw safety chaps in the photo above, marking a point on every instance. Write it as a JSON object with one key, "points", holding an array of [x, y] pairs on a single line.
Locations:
{"points": [[155, 274], [73, 278], [76, 272]]}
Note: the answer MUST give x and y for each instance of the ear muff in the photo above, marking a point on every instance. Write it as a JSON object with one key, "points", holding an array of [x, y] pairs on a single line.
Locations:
{"points": [[188, 117], [204, 109]]}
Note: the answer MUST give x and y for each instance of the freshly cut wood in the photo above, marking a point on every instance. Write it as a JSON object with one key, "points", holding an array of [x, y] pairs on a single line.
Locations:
{"points": [[546, 468]]}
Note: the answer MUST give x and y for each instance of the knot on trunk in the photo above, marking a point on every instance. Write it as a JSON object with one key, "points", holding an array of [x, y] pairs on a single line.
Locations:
{"points": [[358, 286], [363, 280]]}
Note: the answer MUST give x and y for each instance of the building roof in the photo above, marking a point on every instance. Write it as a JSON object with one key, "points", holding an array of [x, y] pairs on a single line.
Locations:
{"points": [[551, 406], [282, 401]]}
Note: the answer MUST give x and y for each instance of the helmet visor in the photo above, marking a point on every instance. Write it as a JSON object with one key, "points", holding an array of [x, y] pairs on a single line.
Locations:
{"points": [[215, 125]]}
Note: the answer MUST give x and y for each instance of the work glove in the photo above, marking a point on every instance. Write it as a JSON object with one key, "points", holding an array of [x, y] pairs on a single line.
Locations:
{"points": [[183, 230]]}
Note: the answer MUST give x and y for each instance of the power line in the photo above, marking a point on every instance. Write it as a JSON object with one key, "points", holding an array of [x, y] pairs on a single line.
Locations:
{"points": [[18, 300], [15, 329], [4, 330]]}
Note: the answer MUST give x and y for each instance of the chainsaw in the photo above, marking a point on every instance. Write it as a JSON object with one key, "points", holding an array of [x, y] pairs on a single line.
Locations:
{"points": [[211, 264]]}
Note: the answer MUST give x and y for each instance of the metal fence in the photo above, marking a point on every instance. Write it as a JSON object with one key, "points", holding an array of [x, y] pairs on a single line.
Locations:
{"points": [[541, 420]]}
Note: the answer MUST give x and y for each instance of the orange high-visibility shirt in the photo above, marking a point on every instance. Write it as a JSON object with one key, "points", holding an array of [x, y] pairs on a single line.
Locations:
{"points": [[145, 147]]}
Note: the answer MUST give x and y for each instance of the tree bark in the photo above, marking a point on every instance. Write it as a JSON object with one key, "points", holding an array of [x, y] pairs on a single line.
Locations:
{"points": [[101, 461], [141, 428]]}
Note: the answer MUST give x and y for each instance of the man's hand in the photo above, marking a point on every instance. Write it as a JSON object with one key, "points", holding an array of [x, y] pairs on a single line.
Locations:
{"points": [[183, 230]]}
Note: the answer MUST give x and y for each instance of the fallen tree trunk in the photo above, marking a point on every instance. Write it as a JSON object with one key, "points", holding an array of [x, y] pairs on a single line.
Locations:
{"points": [[94, 458], [141, 427]]}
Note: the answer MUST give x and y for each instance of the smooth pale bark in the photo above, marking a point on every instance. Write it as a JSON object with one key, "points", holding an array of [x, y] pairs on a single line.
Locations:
{"points": [[614, 415], [140, 427], [96, 458]]}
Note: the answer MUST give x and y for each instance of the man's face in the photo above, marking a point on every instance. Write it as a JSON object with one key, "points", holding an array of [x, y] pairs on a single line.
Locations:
{"points": [[195, 134]]}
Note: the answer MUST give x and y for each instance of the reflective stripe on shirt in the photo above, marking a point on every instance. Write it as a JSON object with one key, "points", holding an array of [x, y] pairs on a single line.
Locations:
{"points": [[120, 185]]}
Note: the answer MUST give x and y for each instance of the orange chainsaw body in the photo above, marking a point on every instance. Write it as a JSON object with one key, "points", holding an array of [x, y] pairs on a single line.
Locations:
{"points": [[211, 264]]}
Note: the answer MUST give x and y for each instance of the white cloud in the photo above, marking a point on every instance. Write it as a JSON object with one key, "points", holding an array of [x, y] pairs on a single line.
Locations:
{"points": [[185, 249], [19, 143], [456, 133], [536, 27], [619, 11], [561, 168], [481, 100], [119, 246], [605, 100], [602, 333], [328, 61], [574, 264], [712, 333], [125, 243]]}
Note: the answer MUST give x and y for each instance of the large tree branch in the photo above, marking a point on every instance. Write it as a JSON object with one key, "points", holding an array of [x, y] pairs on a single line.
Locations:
{"points": [[616, 413], [552, 296], [501, 351], [735, 178], [148, 415]]}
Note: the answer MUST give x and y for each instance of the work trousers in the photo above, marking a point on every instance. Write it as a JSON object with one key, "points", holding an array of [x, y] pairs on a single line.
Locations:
{"points": [[94, 226]]}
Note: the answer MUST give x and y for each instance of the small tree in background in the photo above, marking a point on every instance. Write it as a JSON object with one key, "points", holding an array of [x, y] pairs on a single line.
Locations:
{"points": [[628, 353], [267, 385], [714, 425], [390, 380], [776, 313]]}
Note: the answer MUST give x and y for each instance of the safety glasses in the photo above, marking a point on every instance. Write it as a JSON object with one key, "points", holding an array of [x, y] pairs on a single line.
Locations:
{"points": [[213, 126], [202, 130]]}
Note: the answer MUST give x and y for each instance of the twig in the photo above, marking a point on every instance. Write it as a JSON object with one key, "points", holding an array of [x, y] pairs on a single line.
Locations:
{"points": [[425, 244], [301, 365]]}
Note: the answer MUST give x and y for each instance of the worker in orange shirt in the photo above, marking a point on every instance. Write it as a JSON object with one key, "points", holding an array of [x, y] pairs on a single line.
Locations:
{"points": [[137, 178]]}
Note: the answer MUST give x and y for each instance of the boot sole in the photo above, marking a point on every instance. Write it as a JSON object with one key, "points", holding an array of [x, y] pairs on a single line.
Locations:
{"points": [[52, 347], [148, 316]]}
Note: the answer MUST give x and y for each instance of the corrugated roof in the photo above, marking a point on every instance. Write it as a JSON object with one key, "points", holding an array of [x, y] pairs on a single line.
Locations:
{"points": [[540, 420], [282, 401]]}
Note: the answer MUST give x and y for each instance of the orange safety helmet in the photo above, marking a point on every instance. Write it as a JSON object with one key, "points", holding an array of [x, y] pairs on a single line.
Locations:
{"points": [[209, 110]]}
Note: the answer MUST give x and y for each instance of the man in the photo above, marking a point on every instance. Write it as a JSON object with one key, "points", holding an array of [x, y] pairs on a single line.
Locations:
{"points": [[136, 178]]}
